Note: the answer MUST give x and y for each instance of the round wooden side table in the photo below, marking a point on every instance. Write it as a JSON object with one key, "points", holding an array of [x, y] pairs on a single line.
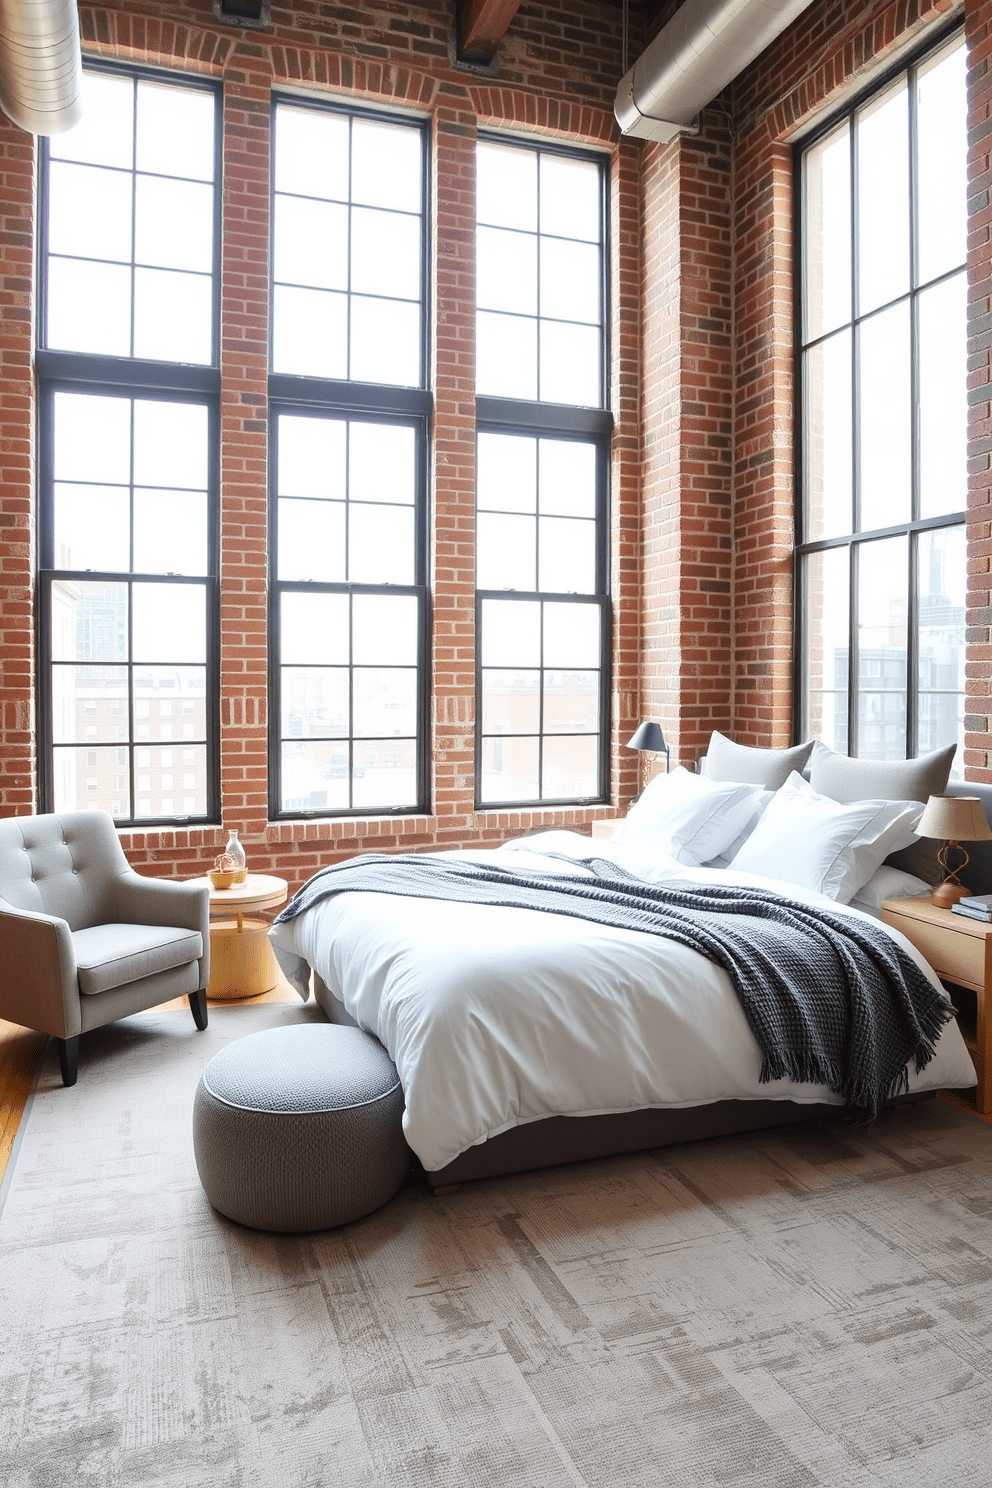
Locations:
{"points": [[241, 959]]}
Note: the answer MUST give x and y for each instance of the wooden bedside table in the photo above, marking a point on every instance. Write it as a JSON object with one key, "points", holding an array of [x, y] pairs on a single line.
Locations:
{"points": [[606, 827], [960, 951]]}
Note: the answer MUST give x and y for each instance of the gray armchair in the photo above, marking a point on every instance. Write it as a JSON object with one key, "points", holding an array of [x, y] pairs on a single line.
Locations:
{"points": [[84, 939]]}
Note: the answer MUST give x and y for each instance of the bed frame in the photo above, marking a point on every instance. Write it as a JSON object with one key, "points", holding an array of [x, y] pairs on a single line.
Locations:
{"points": [[560, 1139]]}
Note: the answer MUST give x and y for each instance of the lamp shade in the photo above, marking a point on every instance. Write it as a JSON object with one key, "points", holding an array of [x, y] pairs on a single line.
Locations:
{"points": [[648, 736], [954, 819]]}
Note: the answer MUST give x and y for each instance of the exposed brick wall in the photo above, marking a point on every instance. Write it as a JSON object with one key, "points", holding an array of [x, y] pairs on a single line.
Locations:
{"points": [[556, 77]]}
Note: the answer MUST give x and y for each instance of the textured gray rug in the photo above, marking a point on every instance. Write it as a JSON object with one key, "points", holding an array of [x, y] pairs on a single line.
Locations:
{"points": [[784, 1311]]}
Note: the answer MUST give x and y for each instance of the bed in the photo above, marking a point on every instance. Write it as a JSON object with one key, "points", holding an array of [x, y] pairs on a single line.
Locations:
{"points": [[525, 1038]]}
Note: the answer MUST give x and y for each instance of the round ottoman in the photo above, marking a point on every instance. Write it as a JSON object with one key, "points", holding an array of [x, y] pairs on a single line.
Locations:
{"points": [[300, 1128]]}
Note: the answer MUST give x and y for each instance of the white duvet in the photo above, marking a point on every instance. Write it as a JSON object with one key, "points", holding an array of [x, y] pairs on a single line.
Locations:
{"points": [[496, 1016]]}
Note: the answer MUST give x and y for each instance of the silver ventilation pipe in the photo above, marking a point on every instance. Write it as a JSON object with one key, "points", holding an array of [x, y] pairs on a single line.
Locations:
{"points": [[41, 70], [705, 45]]}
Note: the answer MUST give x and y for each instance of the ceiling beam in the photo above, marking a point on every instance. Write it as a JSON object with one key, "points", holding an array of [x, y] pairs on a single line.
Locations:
{"points": [[481, 26]]}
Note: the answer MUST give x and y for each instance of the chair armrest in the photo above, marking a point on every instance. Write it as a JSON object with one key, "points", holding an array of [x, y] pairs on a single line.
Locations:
{"points": [[39, 988], [162, 901]]}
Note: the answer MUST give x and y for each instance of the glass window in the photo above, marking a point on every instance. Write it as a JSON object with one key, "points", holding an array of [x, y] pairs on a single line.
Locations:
{"points": [[884, 412]]}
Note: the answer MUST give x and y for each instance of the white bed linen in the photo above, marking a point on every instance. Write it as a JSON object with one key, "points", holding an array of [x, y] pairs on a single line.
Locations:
{"points": [[496, 1016]]}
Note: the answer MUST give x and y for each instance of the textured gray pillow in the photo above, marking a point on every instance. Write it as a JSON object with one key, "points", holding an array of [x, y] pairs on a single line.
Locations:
{"points": [[847, 780], [770, 768]]}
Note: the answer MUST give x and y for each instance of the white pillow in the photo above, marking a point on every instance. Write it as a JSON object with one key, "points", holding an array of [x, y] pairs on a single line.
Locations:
{"points": [[685, 817], [807, 839], [761, 800], [888, 883]]}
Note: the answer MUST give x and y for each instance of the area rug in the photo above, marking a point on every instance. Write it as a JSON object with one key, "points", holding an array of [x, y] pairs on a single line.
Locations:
{"points": [[786, 1310]]}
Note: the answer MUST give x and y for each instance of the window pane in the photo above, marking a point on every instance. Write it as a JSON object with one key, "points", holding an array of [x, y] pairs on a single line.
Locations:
{"points": [[385, 630], [311, 456], [572, 635], [511, 633], [315, 702], [89, 307], [511, 702], [571, 702], [570, 280], [104, 134], [311, 153], [385, 702], [381, 463], [314, 777], [92, 527], [570, 197], [882, 617], [882, 143], [309, 332], [170, 444], [385, 253], [89, 780], [568, 478], [506, 186], [941, 654], [570, 768], [175, 131], [311, 542], [89, 212], [314, 628], [310, 243], [380, 544], [510, 769], [506, 551], [169, 622], [384, 774], [506, 271], [567, 562], [172, 702], [506, 356], [92, 438], [172, 316], [170, 532], [173, 226], [829, 433], [507, 477], [943, 363], [942, 146], [827, 646], [89, 622], [570, 364], [886, 433], [89, 703], [827, 233], [385, 165], [385, 341]]}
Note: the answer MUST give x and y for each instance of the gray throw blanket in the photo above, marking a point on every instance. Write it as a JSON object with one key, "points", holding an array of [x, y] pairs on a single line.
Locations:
{"points": [[830, 1000]]}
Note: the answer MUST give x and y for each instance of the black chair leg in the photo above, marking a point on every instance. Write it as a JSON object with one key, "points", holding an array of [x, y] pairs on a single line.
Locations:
{"points": [[69, 1059], [198, 1007]]}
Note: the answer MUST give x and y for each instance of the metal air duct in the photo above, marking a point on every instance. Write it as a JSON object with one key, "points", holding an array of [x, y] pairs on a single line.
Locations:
{"points": [[41, 70], [692, 59]]}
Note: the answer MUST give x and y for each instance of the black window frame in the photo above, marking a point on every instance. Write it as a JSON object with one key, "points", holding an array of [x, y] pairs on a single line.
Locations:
{"points": [[593, 426], [348, 399], [916, 526], [133, 378]]}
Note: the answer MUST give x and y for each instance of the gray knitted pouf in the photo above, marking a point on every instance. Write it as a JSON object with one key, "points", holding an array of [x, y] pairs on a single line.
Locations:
{"points": [[300, 1128]]}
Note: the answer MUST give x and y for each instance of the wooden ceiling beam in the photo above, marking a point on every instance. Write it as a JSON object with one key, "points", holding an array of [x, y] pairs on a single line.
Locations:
{"points": [[481, 26]]}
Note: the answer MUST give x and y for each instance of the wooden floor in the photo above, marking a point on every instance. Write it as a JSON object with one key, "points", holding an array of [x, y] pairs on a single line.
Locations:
{"points": [[21, 1049]]}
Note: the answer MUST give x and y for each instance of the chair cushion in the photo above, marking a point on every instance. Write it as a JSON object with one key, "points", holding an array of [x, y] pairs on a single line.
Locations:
{"points": [[113, 955]]}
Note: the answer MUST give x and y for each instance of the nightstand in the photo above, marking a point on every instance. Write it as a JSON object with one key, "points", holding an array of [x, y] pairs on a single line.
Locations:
{"points": [[960, 951], [606, 827]]}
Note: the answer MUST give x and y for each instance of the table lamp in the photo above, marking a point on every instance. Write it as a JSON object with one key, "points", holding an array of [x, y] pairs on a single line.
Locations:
{"points": [[956, 819], [650, 740]]}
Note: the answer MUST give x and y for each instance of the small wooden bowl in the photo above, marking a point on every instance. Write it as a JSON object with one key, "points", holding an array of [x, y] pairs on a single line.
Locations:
{"points": [[222, 878]]}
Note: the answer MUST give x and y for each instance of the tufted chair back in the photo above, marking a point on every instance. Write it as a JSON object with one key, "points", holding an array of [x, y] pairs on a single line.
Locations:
{"points": [[64, 864]]}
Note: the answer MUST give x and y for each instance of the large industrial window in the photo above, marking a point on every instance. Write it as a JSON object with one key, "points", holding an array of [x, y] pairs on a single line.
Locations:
{"points": [[348, 464], [128, 452], [542, 629], [881, 559]]}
